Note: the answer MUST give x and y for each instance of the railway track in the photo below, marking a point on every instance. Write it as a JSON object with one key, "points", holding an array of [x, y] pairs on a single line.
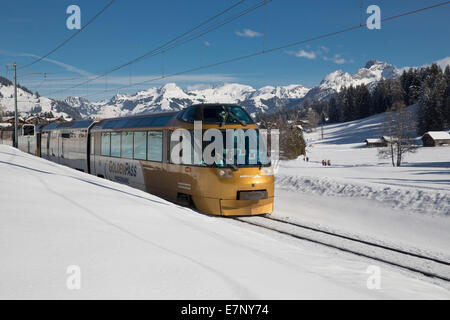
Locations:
{"points": [[428, 266]]}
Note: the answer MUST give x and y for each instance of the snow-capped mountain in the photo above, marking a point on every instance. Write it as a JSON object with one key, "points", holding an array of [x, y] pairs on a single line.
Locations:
{"points": [[82, 105], [170, 97], [373, 72], [32, 103]]}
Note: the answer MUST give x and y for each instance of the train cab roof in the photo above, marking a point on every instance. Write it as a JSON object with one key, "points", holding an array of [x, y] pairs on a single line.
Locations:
{"points": [[151, 120], [209, 113], [78, 124]]}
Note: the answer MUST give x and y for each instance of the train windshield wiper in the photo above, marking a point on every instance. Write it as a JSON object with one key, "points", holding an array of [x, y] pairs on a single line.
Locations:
{"points": [[235, 117]]}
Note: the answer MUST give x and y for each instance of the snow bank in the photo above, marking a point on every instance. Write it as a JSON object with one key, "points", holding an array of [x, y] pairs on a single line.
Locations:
{"points": [[420, 185], [421, 201]]}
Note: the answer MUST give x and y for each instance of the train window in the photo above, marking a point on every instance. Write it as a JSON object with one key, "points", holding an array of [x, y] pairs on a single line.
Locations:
{"points": [[226, 115], [127, 145], [28, 130], [213, 115], [189, 115], [115, 144], [140, 145], [106, 144], [144, 122], [154, 152]]}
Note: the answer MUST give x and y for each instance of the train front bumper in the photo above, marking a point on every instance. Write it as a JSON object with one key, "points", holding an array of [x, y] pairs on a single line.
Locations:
{"points": [[246, 207]]}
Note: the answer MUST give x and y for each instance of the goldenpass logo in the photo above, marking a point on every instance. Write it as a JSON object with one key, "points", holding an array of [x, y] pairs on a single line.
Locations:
{"points": [[125, 169]]}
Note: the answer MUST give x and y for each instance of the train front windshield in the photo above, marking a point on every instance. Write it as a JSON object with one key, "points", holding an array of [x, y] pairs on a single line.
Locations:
{"points": [[241, 148], [226, 115]]}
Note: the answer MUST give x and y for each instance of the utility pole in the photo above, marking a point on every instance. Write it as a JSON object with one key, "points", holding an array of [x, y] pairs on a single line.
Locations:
{"points": [[16, 114], [16, 137], [15, 143]]}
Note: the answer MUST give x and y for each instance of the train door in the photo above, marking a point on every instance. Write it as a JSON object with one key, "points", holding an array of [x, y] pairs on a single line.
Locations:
{"points": [[53, 145], [47, 144], [58, 147], [38, 144], [61, 148], [90, 147], [90, 153], [27, 138]]}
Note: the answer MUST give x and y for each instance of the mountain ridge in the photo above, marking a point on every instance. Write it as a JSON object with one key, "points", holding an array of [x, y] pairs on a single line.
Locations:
{"points": [[171, 97]]}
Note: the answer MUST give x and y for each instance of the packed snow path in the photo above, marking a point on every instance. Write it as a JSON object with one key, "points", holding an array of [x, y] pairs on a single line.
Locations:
{"points": [[130, 244]]}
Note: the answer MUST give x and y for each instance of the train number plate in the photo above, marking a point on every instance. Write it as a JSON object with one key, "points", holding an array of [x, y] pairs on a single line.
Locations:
{"points": [[252, 195]]}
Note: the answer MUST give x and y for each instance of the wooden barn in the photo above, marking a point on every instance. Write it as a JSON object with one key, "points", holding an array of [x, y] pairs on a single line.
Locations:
{"points": [[436, 138], [375, 143]]}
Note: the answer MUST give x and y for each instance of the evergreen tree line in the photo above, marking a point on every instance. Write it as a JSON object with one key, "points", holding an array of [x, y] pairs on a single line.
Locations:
{"points": [[6, 82], [429, 87]]}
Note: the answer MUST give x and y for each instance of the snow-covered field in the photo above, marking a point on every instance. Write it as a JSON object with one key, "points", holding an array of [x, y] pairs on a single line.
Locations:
{"points": [[363, 196], [130, 244]]}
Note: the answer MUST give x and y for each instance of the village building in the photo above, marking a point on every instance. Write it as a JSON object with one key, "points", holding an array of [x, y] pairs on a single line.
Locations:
{"points": [[436, 138], [375, 143]]}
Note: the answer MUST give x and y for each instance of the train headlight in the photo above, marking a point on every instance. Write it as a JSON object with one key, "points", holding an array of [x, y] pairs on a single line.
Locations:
{"points": [[225, 173], [267, 171]]}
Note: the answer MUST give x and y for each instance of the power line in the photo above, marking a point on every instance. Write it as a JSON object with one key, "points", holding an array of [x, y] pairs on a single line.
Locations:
{"points": [[177, 41], [71, 37], [41, 83], [258, 53]]}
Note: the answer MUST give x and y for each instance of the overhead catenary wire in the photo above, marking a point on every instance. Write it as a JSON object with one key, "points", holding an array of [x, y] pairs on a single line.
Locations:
{"points": [[41, 83], [292, 44], [177, 41], [70, 38]]}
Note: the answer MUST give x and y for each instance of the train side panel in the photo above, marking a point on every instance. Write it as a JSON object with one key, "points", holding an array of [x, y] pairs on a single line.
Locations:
{"points": [[125, 171], [6, 137], [67, 147]]}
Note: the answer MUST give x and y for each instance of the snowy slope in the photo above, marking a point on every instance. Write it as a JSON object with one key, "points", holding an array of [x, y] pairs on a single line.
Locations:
{"points": [[359, 185], [421, 185], [363, 196], [130, 244], [29, 103]]}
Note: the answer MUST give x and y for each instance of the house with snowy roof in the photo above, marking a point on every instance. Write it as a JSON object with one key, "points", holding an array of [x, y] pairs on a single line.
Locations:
{"points": [[375, 143], [436, 138]]}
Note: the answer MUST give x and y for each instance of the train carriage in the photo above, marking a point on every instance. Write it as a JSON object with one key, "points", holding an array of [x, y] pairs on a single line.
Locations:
{"points": [[66, 143], [6, 136], [138, 151]]}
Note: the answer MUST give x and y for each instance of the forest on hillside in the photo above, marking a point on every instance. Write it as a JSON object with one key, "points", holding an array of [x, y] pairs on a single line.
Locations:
{"points": [[428, 87]]}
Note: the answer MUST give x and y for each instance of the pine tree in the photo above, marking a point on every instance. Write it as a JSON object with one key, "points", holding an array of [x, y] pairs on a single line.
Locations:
{"points": [[432, 107], [362, 101], [334, 112], [380, 98], [396, 92], [1, 112], [349, 110], [447, 97]]}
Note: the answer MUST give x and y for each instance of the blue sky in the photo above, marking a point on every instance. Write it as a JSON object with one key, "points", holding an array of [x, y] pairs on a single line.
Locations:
{"points": [[130, 28]]}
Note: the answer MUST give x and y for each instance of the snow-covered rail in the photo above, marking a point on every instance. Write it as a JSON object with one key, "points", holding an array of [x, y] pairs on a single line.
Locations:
{"points": [[425, 265]]}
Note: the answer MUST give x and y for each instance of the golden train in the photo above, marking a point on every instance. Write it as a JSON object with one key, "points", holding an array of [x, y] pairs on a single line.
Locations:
{"points": [[136, 151]]}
